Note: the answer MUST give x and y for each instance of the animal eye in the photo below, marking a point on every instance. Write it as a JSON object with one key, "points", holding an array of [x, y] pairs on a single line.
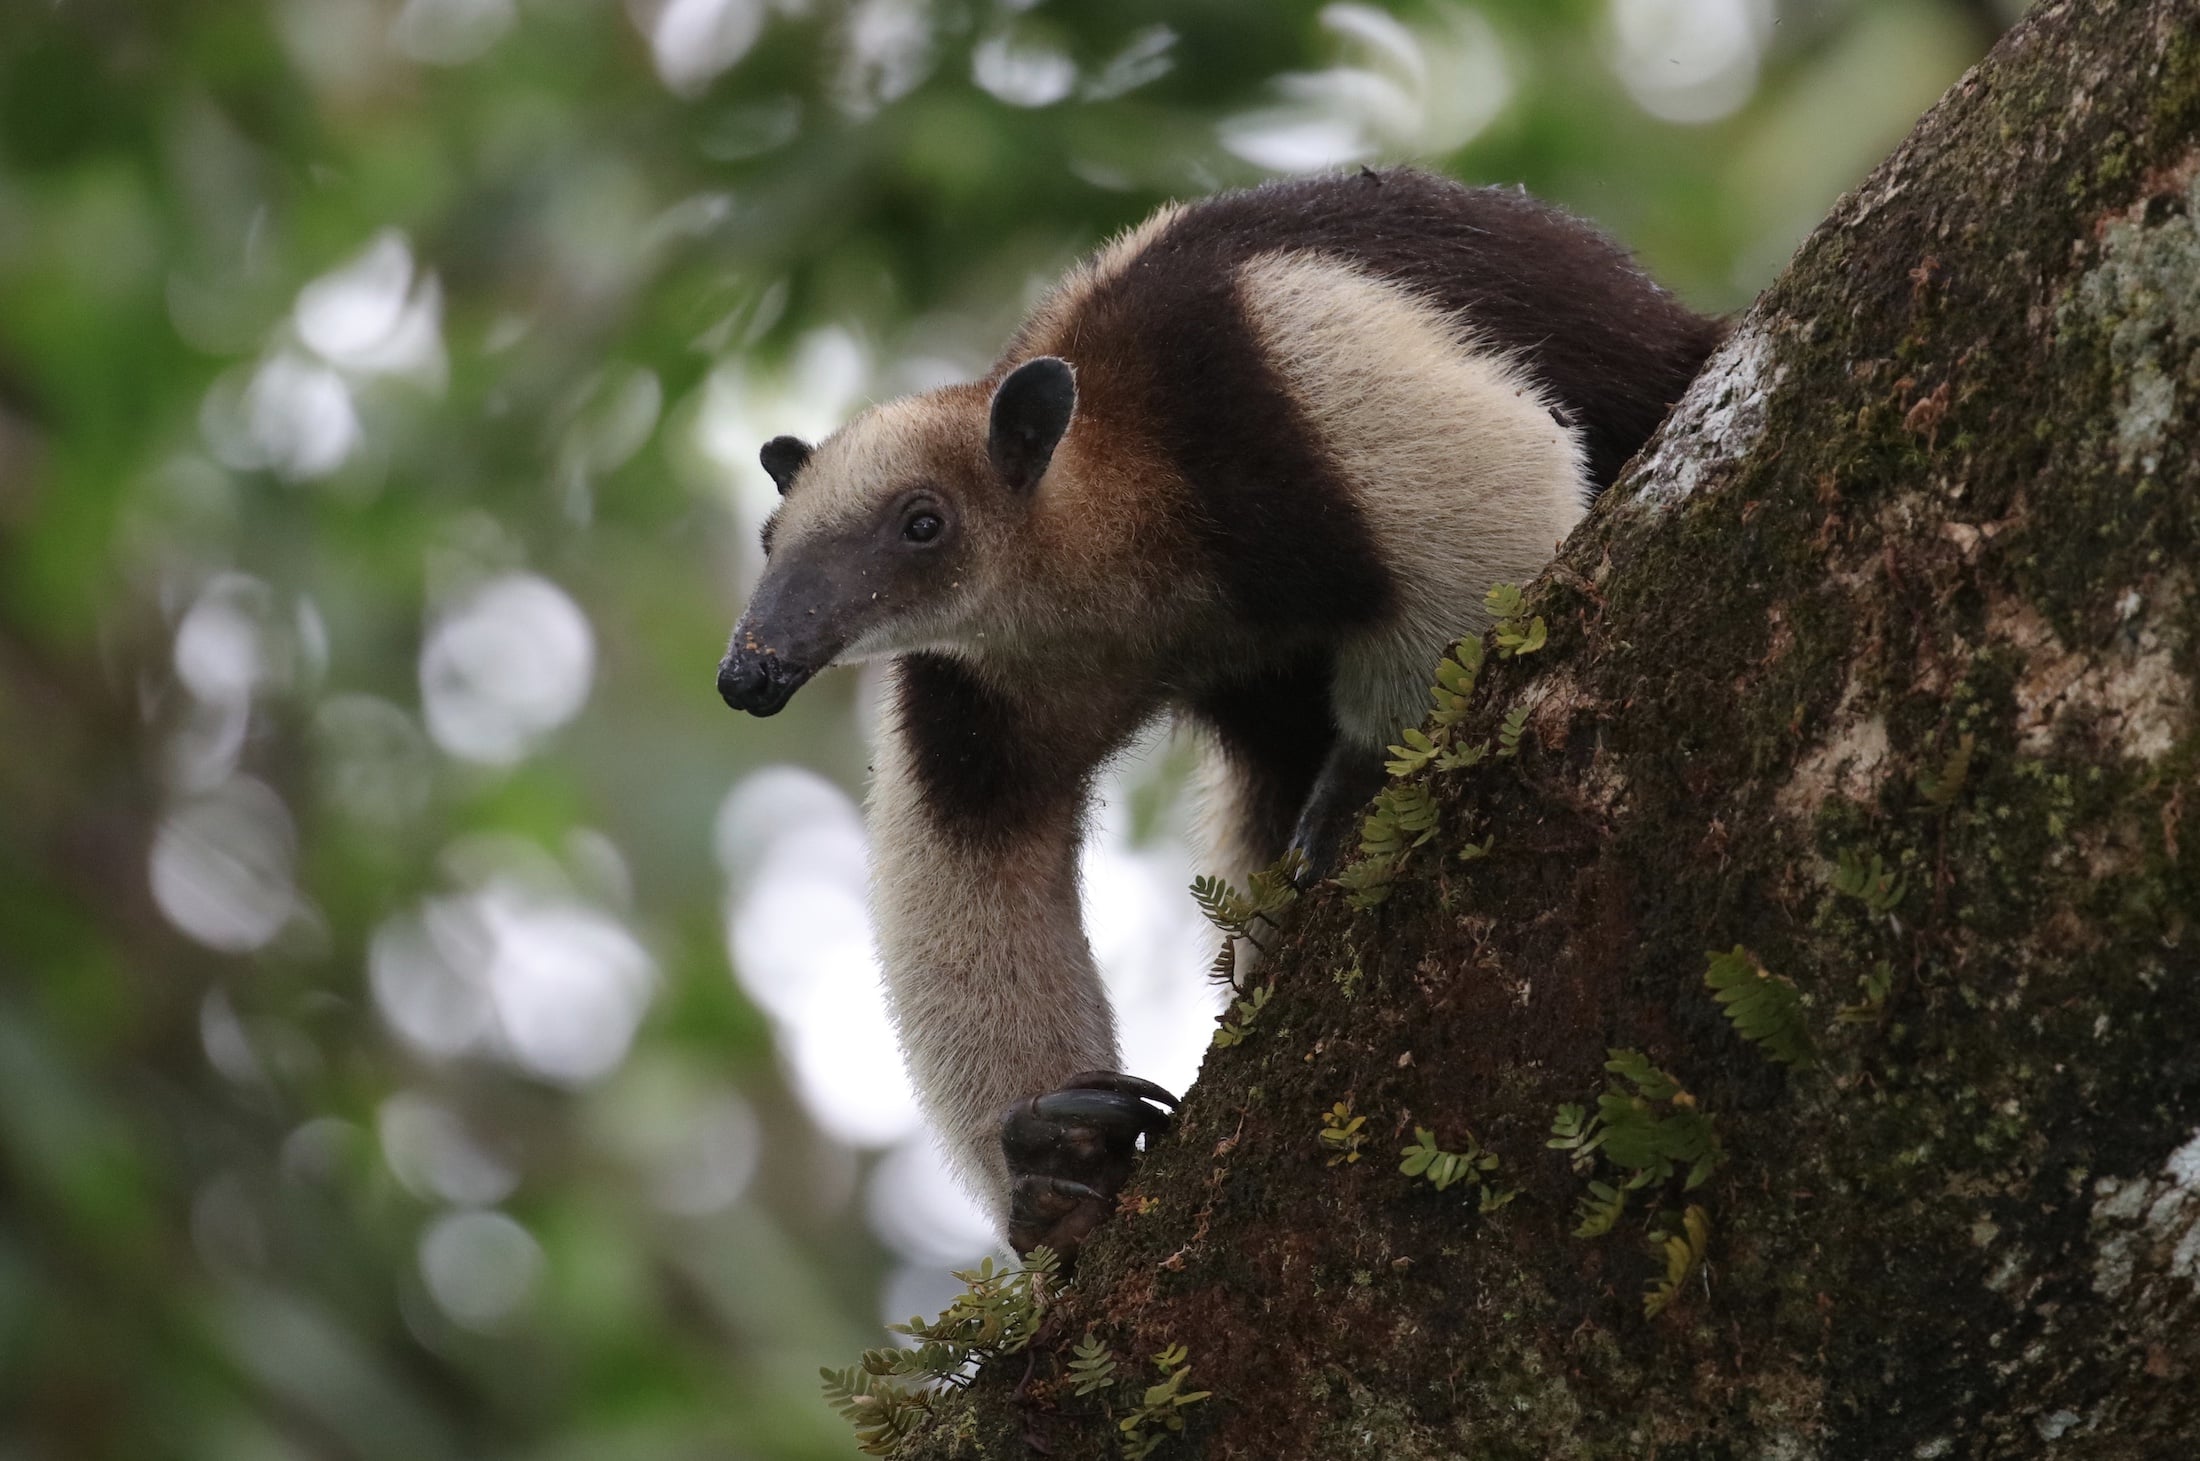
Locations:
{"points": [[922, 528]]}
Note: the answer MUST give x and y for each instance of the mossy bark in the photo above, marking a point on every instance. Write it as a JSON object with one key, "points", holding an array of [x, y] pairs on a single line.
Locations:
{"points": [[1913, 574]]}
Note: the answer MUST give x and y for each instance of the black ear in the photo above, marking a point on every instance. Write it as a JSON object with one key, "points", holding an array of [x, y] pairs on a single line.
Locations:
{"points": [[783, 456], [1031, 410]]}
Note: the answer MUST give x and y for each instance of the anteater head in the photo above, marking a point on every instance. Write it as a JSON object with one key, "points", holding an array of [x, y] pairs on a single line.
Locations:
{"points": [[892, 534]]}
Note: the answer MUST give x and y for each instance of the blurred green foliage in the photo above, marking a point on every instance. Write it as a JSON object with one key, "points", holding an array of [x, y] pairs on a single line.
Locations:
{"points": [[599, 224]]}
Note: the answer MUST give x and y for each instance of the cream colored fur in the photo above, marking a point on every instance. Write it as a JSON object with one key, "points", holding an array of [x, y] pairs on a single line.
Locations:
{"points": [[1465, 477], [989, 977]]}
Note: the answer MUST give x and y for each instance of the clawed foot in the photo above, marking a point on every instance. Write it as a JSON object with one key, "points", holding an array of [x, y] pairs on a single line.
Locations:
{"points": [[1070, 1151]]}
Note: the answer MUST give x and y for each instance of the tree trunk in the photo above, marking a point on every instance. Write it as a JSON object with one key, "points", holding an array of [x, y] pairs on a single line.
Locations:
{"points": [[1876, 674]]}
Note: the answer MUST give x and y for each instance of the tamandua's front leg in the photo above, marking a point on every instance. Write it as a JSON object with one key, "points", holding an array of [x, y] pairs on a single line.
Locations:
{"points": [[1070, 1152], [977, 815]]}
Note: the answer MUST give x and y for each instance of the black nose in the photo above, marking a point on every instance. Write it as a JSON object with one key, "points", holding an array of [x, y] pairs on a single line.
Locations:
{"points": [[759, 682], [743, 681]]}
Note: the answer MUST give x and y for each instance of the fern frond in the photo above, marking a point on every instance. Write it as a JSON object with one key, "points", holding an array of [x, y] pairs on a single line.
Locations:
{"points": [[1599, 1209], [1091, 1367], [1683, 1253], [1762, 1007], [1367, 882], [1508, 734], [1941, 788]]}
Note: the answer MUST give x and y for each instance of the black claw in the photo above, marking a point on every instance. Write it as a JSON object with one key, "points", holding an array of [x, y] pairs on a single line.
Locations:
{"points": [[1124, 1116], [1115, 1080], [1071, 1150]]}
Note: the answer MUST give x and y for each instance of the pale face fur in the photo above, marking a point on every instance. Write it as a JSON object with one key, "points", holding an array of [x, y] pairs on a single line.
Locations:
{"points": [[1078, 565], [844, 578]]}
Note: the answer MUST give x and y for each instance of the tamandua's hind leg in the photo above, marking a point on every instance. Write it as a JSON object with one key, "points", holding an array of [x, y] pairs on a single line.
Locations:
{"points": [[1267, 744], [1348, 780]]}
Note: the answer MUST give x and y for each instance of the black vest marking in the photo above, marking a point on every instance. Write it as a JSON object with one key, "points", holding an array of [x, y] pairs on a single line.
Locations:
{"points": [[1167, 346], [1526, 279], [1275, 731], [985, 775]]}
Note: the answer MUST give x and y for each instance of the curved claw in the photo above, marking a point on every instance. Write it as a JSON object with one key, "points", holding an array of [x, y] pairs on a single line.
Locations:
{"points": [[1126, 1114], [1071, 1150], [1115, 1080]]}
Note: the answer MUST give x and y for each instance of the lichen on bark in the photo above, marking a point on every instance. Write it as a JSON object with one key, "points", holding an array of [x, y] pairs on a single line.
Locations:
{"points": [[1881, 664]]}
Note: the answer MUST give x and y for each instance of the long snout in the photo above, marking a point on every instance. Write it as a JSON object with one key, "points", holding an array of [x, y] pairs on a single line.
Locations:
{"points": [[791, 631], [758, 680]]}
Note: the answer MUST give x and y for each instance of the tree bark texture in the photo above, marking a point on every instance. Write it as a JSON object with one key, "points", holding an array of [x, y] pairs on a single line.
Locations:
{"points": [[1880, 664]]}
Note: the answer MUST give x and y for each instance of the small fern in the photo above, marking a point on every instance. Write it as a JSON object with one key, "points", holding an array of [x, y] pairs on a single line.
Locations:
{"points": [[1875, 885], [1762, 1006], [998, 1312], [1683, 1253], [1340, 1135], [1876, 986], [1598, 1210], [1268, 893], [1459, 758], [1415, 753], [1091, 1366], [1514, 635], [1652, 1132], [1508, 734], [1440, 1168], [1942, 787], [1366, 883], [1234, 1031], [1575, 1130], [1159, 1413], [1404, 818], [884, 1414], [1456, 674]]}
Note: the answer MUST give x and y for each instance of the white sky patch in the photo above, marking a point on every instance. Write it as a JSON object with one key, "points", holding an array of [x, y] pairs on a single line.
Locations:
{"points": [[290, 415], [222, 866], [480, 1267], [512, 969], [507, 663], [296, 412], [233, 643], [450, 32], [711, 1160], [886, 52], [376, 314], [1689, 60], [432, 1153], [694, 42], [921, 1211], [1143, 60], [1398, 90], [568, 985], [1021, 71], [798, 930]]}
